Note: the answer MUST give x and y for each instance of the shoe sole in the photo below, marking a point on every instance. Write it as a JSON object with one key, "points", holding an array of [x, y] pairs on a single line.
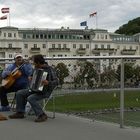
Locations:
{"points": [[45, 119], [16, 117]]}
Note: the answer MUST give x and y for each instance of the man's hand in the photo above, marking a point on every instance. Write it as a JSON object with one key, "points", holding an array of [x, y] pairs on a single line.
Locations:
{"points": [[30, 78], [45, 82]]}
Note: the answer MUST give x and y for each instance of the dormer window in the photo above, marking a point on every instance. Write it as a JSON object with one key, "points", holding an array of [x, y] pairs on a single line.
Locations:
{"points": [[9, 34], [4, 34]]}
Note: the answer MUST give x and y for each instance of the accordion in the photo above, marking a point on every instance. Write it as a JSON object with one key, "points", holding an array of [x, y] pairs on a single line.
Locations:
{"points": [[38, 76]]}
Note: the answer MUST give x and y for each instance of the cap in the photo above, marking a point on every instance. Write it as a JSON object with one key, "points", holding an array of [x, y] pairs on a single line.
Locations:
{"points": [[18, 55]]}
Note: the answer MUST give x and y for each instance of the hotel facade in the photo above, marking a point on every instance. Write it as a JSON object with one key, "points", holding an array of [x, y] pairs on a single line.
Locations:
{"points": [[66, 42]]}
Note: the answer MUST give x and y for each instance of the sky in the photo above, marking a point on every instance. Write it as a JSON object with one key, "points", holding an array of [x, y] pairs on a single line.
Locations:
{"points": [[111, 14]]}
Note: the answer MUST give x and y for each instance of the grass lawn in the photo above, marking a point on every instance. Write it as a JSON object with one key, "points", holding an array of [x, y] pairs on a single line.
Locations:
{"points": [[94, 102]]}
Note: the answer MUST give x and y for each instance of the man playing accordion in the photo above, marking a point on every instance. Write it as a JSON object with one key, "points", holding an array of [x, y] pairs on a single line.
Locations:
{"points": [[43, 82]]}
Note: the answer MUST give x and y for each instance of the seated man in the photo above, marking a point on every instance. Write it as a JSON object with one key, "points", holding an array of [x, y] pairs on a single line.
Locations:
{"points": [[33, 96], [15, 77]]}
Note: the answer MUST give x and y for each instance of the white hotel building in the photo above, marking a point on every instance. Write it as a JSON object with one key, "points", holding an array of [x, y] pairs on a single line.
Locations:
{"points": [[66, 42]]}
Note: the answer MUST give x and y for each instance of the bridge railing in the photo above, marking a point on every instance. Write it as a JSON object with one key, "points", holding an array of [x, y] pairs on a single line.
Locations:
{"points": [[116, 75]]}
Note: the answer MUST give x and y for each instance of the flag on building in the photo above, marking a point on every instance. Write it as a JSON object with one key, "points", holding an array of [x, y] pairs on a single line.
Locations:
{"points": [[5, 10], [84, 23], [93, 14], [3, 17]]}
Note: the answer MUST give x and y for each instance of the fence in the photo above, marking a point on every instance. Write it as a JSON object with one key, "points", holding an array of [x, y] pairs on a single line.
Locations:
{"points": [[111, 84]]}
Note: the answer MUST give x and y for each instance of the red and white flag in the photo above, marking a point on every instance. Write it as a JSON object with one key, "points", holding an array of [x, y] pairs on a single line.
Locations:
{"points": [[3, 17], [5, 10], [93, 14]]}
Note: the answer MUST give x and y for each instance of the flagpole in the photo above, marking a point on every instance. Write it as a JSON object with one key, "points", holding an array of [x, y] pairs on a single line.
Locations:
{"points": [[9, 18], [4, 11], [7, 21], [96, 22], [94, 14]]}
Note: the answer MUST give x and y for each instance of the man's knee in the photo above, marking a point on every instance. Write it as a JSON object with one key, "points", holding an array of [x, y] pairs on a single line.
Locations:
{"points": [[30, 99], [20, 93]]}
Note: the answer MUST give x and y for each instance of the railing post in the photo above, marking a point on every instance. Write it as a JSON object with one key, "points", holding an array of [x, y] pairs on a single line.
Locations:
{"points": [[122, 95]]}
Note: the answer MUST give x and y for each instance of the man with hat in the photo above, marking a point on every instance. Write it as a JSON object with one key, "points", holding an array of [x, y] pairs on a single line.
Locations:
{"points": [[15, 77]]}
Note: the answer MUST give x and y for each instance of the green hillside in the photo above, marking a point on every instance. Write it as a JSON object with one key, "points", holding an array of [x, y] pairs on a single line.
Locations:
{"points": [[132, 27]]}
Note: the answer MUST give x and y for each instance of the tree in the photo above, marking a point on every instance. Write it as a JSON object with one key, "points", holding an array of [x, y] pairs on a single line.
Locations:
{"points": [[108, 77], [62, 72], [128, 72], [132, 27], [87, 74]]}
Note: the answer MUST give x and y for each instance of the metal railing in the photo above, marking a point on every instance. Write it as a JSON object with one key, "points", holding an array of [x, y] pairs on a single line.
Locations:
{"points": [[100, 74]]}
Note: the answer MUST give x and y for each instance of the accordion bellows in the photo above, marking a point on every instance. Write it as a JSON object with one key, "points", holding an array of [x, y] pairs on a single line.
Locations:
{"points": [[38, 76]]}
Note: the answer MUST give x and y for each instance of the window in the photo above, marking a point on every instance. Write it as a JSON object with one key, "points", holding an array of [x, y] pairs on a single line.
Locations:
{"points": [[9, 45], [45, 36], [96, 46], [60, 55], [41, 36], [64, 45], [59, 45], [87, 46], [14, 34], [53, 36], [74, 46], [81, 45], [61, 36], [66, 36], [4, 34], [9, 34], [102, 46], [25, 46], [35, 45], [37, 36], [70, 36], [124, 47], [57, 36], [102, 36], [10, 55], [108, 46], [53, 45], [43, 46], [49, 36]]}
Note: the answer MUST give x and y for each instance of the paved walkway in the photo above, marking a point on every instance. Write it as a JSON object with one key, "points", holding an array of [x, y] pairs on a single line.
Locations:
{"points": [[64, 127]]}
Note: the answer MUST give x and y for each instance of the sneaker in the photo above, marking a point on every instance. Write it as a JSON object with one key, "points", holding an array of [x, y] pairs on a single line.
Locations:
{"points": [[17, 115], [41, 118], [4, 108]]}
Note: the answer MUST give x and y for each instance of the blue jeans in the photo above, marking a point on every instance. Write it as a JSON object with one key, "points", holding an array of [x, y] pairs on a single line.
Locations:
{"points": [[22, 96]]}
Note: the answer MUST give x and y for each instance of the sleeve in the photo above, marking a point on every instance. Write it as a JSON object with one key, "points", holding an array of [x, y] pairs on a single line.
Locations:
{"points": [[7, 71], [28, 69], [54, 79]]}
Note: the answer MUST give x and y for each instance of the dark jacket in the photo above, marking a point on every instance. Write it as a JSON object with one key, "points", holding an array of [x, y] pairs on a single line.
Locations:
{"points": [[52, 80]]}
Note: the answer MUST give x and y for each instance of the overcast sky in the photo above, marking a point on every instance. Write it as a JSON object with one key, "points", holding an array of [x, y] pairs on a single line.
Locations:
{"points": [[111, 14]]}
